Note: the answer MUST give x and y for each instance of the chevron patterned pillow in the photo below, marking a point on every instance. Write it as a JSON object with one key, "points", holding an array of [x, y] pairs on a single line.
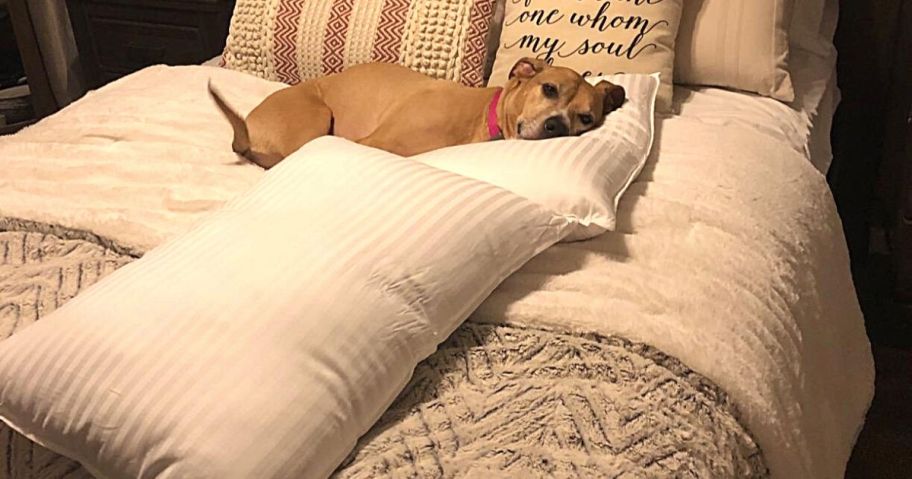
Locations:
{"points": [[297, 40]]}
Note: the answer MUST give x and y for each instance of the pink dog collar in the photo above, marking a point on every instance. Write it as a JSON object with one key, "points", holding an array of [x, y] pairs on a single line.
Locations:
{"points": [[494, 130]]}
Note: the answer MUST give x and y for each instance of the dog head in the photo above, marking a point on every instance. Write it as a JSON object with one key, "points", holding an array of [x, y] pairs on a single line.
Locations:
{"points": [[543, 101]]}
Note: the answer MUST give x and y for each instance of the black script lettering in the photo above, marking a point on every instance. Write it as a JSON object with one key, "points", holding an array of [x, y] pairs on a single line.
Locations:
{"points": [[537, 44], [639, 3], [632, 51], [538, 17], [594, 47], [598, 21]]}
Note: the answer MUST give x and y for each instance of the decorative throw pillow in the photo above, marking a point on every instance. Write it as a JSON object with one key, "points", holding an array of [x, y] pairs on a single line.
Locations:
{"points": [[296, 40], [582, 177], [594, 37], [493, 40], [741, 44], [265, 341]]}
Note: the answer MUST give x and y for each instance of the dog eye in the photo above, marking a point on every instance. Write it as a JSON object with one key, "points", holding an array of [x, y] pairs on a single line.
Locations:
{"points": [[549, 90], [585, 119]]}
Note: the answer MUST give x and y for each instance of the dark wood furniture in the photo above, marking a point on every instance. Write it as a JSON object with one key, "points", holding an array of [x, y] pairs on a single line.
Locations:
{"points": [[871, 177], [118, 37], [41, 95], [864, 38], [896, 174]]}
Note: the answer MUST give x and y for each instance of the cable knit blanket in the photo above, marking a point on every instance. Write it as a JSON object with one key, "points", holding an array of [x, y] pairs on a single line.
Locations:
{"points": [[493, 401]]}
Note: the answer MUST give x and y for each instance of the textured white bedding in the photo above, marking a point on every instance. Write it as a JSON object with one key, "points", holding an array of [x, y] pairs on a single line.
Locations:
{"points": [[804, 125], [729, 254]]}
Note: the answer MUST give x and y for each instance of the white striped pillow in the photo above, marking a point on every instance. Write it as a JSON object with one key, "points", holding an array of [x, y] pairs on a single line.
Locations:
{"points": [[741, 44], [266, 340], [581, 177]]}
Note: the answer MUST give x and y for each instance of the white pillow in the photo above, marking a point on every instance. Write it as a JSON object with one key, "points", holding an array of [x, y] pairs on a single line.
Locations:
{"points": [[265, 341], [581, 177], [741, 44], [813, 25]]}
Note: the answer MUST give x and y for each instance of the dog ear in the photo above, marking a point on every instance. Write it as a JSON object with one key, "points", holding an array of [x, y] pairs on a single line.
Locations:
{"points": [[527, 68], [613, 95]]}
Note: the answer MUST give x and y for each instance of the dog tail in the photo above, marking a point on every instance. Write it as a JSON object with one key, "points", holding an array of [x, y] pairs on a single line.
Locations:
{"points": [[241, 143]]}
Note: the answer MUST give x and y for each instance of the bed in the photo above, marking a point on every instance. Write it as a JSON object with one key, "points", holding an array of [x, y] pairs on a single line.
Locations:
{"points": [[698, 339]]}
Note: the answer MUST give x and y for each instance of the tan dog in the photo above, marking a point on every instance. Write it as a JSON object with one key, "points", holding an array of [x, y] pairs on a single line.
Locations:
{"points": [[395, 109]]}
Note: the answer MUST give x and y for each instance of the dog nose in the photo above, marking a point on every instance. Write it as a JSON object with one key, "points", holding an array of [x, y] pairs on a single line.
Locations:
{"points": [[555, 126]]}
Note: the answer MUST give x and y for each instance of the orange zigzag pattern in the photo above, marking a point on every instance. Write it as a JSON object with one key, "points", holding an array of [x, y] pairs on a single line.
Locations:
{"points": [[472, 63], [388, 40], [336, 32], [285, 44]]}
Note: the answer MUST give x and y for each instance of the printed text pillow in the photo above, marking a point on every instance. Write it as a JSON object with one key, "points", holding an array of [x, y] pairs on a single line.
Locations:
{"points": [[296, 40], [594, 37]]}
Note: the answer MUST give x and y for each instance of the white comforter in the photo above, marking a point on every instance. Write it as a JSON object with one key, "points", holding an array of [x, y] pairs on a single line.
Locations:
{"points": [[729, 254]]}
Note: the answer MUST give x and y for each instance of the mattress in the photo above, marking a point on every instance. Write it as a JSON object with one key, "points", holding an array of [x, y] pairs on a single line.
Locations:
{"points": [[718, 309]]}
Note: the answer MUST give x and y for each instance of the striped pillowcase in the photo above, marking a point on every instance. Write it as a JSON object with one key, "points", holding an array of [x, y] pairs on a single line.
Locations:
{"points": [[741, 44], [297, 40], [580, 177], [265, 341]]}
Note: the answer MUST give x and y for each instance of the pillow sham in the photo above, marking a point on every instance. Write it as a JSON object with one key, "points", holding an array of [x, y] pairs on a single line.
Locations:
{"points": [[295, 40], [265, 341], [581, 177], [594, 37], [740, 44], [813, 25]]}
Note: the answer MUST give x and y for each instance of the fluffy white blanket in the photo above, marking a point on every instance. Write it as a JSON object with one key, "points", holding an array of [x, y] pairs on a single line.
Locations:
{"points": [[729, 254]]}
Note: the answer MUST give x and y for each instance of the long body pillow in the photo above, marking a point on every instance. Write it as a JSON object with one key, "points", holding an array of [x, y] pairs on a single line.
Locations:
{"points": [[582, 177], [265, 341], [741, 44]]}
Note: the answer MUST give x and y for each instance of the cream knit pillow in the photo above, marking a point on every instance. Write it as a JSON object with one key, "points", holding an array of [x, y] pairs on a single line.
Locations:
{"points": [[296, 40], [594, 37]]}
